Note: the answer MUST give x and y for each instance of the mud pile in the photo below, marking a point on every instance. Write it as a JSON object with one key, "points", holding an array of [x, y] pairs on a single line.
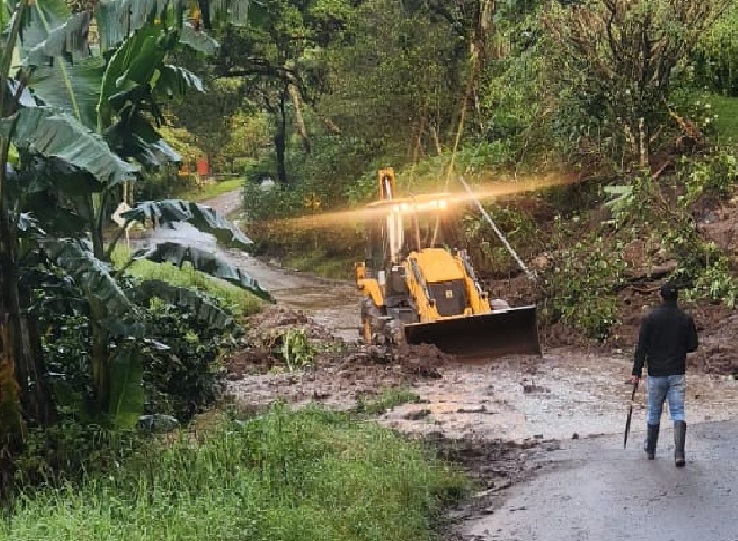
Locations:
{"points": [[718, 353], [716, 324], [275, 320], [265, 337], [337, 373]]}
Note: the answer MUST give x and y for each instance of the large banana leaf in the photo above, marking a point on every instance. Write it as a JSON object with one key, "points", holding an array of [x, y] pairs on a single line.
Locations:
{"points": [[197, 40], [61, 39], [175, 81], [32, 29], [47, 132], [203, 218], [132, 64], [92, 276], [73, 87], [177, 254], [54, 45], [116, 19], [198, 304], [57, 219], [135, 74], [133, 136]]}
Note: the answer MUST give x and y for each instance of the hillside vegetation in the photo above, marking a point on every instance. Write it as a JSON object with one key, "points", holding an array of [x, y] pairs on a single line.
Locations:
{"points": [[634, 103]]}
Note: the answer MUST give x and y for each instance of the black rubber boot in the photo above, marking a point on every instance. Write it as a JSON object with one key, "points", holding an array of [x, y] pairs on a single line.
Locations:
{"points": [[651, 439], [680, 432]]}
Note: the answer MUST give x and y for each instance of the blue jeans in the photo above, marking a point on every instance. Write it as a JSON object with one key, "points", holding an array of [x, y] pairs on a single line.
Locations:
{"points": [[660, 389]]}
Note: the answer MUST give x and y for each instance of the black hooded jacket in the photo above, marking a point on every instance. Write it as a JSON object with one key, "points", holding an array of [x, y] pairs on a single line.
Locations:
{"points": [[667, 334]]}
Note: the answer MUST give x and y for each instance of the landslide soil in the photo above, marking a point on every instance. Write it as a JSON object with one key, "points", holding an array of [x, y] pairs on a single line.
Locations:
{"points": [[497, 418]]}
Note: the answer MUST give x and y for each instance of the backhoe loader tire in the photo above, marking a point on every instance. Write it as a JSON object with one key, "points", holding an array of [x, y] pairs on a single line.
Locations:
{"points": [[369, 320]]}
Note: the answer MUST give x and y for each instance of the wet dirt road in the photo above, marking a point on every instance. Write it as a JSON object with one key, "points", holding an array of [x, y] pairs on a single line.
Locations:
{"points": [[329, 301], [598, 491]]}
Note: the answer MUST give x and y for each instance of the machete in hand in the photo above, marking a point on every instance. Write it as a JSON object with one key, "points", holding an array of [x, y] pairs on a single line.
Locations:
{"points": [[630, 415]]}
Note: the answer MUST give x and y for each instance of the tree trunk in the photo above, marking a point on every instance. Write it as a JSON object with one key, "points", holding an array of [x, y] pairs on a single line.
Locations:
{"points": [[11, 420], [299, 117], [644, 145], [100, 362], [38, 402], [436, 141], [204, 7], [280, 138], [22, 344]]}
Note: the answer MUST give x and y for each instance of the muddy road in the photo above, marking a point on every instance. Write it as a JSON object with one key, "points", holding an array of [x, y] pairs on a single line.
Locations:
{"points": [[590, 488]]}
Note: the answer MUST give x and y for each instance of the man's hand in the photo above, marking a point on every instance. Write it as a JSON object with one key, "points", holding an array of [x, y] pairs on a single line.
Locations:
{"points": [[635, 380]]}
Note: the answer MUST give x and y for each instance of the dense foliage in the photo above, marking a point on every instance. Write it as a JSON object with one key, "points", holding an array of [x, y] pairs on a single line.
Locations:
{"points": [[79, 338]]}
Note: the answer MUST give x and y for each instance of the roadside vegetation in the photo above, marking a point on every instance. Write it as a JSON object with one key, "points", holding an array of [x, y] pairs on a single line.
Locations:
{"points": [[307, 475], [238, 301], [210, 190]]}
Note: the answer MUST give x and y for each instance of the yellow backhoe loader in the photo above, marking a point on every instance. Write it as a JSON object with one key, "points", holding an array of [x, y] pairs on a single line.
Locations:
{"points": [[429, 295]]}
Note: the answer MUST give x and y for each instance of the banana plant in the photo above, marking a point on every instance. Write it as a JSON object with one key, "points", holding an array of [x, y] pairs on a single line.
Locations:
{"points": [[102, 104]]}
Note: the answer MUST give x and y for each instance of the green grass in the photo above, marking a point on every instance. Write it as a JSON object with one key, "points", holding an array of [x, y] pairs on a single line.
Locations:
{"points": [[727, 110], [241, 302], [285, 476], [319, 264], [210, 190]]}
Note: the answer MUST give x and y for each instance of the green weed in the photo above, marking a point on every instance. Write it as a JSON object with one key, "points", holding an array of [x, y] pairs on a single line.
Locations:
{"points": [[725, 109], [284, 476], [321, 264]]}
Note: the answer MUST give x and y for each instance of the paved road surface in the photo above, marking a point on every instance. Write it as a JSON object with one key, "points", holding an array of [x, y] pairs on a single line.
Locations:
{"points": [[600, 492]]}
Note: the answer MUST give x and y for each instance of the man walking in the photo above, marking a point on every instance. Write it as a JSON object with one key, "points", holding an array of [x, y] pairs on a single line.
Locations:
{"points": [[667, 334]]}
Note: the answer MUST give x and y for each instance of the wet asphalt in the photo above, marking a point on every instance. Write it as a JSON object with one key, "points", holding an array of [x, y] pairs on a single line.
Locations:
{"points": [[596, 490]]}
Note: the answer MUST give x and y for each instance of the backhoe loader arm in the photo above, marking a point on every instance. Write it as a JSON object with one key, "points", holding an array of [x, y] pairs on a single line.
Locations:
{"points": [[369, 286]]}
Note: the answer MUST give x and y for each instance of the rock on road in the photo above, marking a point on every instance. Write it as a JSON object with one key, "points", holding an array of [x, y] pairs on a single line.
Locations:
{"points": [[595, 489]]}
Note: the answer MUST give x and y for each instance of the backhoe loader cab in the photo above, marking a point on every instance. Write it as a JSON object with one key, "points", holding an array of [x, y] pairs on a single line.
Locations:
{"points": [[418, 292]]}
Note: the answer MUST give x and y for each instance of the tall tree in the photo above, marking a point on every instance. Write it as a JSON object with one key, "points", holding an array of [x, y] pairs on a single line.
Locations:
{"points": [[394, 82], [621, 58], [278, 55]]}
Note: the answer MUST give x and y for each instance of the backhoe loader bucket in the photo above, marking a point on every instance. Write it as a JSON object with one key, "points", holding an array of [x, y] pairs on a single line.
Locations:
{"points": [[502, 332]]}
